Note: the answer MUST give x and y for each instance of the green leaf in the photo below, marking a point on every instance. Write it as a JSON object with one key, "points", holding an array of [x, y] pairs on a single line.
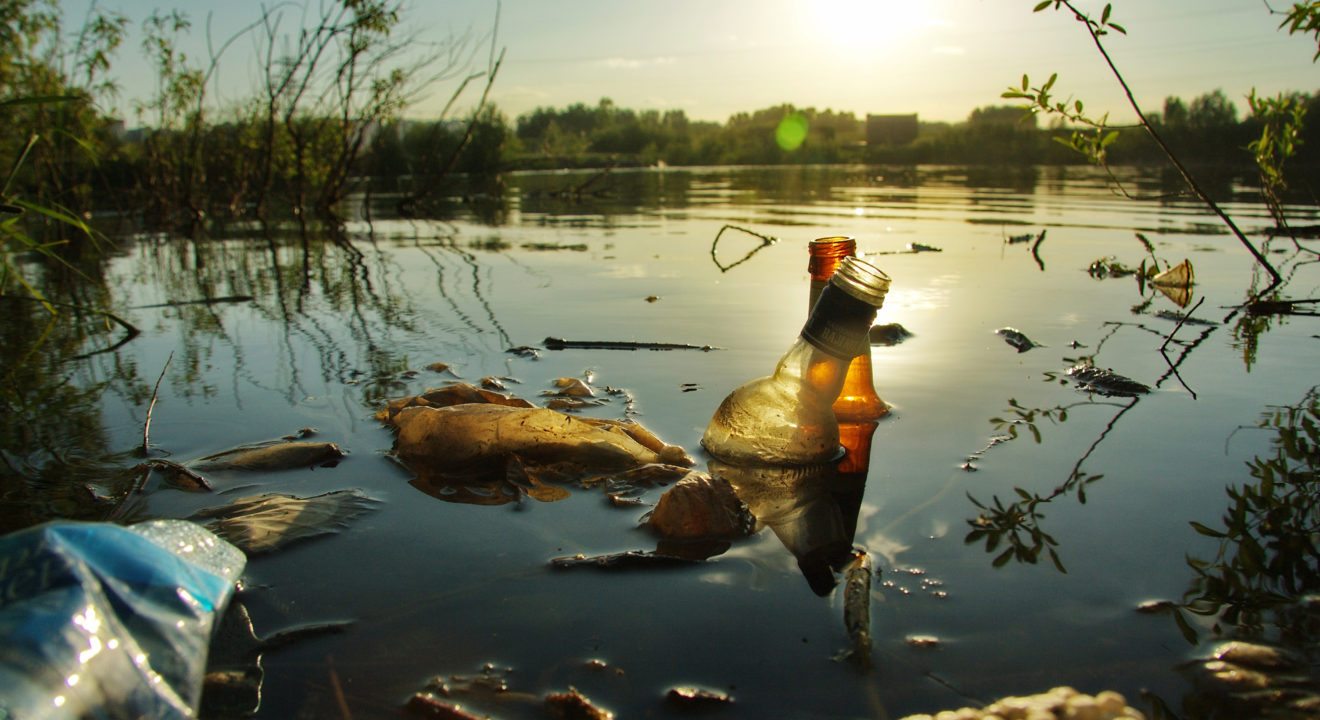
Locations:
{"points": [[1003, 558], [1058, 564], [1026, 83], [1050, 83], [1188, 632], [1118, 27], [1042, 5], [1206, 530], [1104, 14], [1077, 105]]}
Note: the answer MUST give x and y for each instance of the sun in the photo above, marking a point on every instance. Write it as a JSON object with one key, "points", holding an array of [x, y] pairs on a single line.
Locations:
{"points": [[864, 26]]}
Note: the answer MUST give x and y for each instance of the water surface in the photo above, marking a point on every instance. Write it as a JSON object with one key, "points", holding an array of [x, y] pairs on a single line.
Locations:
{"points": [[436, 588]]}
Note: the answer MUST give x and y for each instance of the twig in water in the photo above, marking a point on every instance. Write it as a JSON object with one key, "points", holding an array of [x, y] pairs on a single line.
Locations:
{"points": [[1181, 320], [552, 343], [766, 240], [146, 424]]}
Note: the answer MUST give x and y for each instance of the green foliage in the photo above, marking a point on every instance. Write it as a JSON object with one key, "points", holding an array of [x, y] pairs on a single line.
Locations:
{"points": [[1268, 555], [1304, 17], [1282, 118]]}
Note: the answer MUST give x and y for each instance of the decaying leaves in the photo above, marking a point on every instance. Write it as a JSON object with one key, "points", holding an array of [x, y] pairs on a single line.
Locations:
{"points": [[698, 507], [262, 523], [266, 457], [1090, 378], [467, 444]]}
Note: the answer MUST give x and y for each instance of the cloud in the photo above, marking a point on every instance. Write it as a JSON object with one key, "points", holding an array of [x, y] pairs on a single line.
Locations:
{"points": [[619, 63]]}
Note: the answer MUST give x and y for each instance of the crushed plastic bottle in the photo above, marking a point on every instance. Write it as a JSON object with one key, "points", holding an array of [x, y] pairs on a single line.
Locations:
{"points": [[105, 621]]}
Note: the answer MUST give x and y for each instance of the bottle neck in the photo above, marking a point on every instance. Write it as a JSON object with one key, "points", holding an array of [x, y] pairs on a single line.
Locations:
{"points": [[825, 256], [839, 324]]}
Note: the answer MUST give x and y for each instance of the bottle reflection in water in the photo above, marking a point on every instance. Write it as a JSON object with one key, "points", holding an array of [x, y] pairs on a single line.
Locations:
{"points": [[857, 400], [787, 417]]}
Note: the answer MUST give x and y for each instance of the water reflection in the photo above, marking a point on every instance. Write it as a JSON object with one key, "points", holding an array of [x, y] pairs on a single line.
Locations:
{"points": [[812, 510]]}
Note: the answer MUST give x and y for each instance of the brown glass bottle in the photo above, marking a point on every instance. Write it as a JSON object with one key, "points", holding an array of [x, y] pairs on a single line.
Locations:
{"points": [[786, 418], [857, 401]]}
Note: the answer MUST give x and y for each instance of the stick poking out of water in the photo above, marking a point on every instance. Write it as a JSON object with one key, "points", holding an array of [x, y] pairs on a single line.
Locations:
{"points": [[146, 424]]}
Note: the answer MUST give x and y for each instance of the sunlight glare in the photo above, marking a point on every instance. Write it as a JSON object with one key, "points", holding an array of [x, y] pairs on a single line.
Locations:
{"points": [[866, 26]]}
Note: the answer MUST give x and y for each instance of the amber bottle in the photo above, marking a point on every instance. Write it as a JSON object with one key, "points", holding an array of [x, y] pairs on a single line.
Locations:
{"points": [[786, 418], [857, 401]]}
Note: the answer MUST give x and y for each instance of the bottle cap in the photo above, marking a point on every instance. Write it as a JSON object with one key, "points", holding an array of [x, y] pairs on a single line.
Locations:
{"points": [[861, 280]]}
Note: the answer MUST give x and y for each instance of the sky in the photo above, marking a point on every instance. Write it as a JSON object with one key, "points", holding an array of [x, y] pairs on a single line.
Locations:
{"points": [[713, 58]]}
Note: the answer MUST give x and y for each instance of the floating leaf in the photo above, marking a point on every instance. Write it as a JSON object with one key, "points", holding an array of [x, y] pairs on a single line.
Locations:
{"points": [[1178, 276], [271, 456]]}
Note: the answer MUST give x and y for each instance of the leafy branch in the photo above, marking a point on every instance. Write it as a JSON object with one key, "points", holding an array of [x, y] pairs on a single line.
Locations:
{"points": [[1094, 145]]}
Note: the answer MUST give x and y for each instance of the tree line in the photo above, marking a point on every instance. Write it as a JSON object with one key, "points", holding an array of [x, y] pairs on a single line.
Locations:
{"points": [[325, 119]]}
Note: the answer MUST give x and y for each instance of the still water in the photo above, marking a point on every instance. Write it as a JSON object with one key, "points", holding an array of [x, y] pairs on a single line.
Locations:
{"points": [[1104, 488]]}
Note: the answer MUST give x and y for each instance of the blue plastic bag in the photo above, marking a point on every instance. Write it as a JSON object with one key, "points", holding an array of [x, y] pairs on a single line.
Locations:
{"points": [[103, 621]]}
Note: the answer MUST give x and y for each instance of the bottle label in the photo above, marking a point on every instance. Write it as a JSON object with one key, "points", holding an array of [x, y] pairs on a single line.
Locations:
{"points": [[839, 324]]}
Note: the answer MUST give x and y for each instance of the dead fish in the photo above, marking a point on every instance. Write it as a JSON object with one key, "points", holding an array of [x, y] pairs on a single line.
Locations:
{"points": [[1014, 337], [857, 608], [1105, 382], [274, 456]]}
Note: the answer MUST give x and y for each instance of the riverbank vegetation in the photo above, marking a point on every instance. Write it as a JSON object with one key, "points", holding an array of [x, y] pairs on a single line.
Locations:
{"points": [[326, 117]]}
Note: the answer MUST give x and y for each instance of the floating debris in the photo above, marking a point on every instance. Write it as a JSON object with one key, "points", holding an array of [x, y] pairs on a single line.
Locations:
{"points": [[1107, 267], [262, 523], [490, 382], [552, 343], [652, 298], [526, 351], [573, 705], [920, 248], [570, 387], [1016, 339], [1090, 378], [1024, 237], [266, 457], [441, 367], [888, 334], [628, 560], [701, 506], [1178, 276], [694, 698], [1058, 704], [1257, 680], [1184, 318], [922, 642], [1152, 607], [857, 608]]}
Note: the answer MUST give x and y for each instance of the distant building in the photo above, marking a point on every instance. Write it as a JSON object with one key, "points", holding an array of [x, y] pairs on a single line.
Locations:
{"points": [[891, 130]]}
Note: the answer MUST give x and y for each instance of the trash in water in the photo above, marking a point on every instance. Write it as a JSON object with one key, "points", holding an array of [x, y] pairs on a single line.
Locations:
{"points": [[262, 523], [888, 334], [857, 609], [573, 705], [701, 507], [487, 448], [266, 457], [113, 621], [1178, 276], [1090, 378], [695, 698], [1017, 339]]}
